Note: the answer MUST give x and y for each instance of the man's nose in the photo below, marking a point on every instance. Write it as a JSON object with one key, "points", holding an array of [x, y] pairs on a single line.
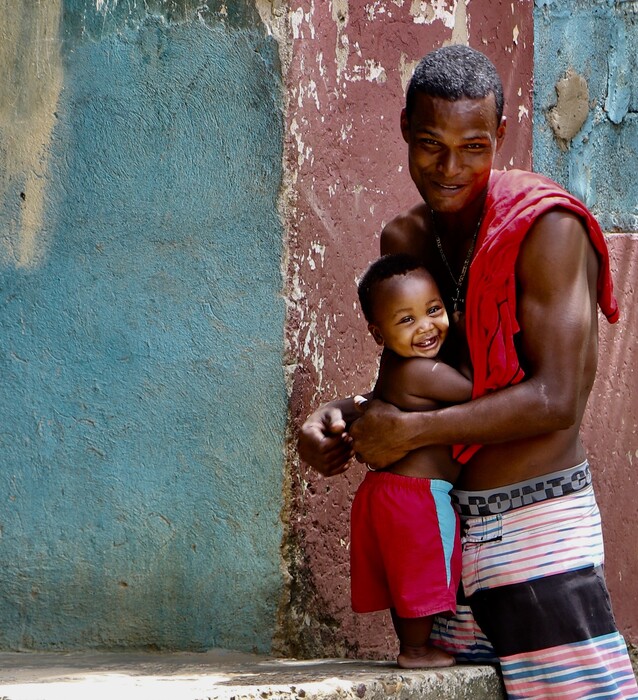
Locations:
{"points": [[449, 163]]}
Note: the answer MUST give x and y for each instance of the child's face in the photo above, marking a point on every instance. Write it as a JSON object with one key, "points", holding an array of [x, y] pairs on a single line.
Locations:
{"points": [[409, 316]]}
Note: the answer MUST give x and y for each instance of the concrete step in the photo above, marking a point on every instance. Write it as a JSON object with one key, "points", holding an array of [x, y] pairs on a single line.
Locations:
{"points": [[228, 675]]}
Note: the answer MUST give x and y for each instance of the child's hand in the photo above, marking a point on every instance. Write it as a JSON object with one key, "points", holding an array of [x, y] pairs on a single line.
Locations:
{"points": [[377, 435], [324, 443]]}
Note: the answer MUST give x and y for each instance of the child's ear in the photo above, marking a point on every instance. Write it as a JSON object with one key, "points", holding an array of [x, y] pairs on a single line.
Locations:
{"points": [[376, 333]]}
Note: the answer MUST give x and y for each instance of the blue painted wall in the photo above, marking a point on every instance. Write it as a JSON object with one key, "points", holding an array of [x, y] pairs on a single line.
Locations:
{"points": [[143, 404], [598, 40]]}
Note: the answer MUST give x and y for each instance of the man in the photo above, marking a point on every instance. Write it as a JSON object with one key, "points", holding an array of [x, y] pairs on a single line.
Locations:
{"points": [[523, 264]]}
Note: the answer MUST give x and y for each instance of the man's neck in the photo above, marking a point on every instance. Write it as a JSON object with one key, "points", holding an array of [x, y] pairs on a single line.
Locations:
{"points": [[461, 226]]}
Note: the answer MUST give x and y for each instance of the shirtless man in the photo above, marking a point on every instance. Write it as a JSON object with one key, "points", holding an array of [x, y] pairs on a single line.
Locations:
{"points": [[533, 594]]}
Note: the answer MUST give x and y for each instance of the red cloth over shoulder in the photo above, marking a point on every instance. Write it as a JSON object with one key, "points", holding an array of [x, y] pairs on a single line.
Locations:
{"points": [[515, 199]]}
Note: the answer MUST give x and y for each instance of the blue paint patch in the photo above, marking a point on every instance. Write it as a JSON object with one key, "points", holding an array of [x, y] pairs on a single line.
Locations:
{"points": [[598, 41], [143, 417]]}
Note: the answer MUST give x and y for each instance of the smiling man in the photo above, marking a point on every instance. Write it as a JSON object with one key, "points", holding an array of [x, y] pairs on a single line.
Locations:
{"points": [[522, 265]]}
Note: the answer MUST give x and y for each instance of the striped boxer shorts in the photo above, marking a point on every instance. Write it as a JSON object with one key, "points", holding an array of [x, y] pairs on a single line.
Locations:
{"points": [[533, 594]]}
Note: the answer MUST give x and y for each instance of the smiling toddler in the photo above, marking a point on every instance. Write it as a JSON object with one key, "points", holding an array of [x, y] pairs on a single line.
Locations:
{"points": [[405, 549]]}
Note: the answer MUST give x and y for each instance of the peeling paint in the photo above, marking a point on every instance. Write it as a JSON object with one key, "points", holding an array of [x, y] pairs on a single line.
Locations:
{"points": [[296, 20], [429, 12], [460, 32], [322, 68], [303, 152], [319, 249], [371, 71], [309, 91], [275, 18], [406, 68], [377, 7], [340, 15], [346, 130]]}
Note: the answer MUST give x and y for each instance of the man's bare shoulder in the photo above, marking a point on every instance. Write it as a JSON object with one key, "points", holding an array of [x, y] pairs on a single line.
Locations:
{"points": [[407, 232], [557, 238]]}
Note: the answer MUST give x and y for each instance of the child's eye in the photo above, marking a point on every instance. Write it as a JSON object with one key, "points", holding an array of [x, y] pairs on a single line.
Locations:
{"points": [[434, 310], [406, 319]]}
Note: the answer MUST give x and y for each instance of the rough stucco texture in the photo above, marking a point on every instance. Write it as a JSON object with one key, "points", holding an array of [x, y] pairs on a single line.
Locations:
{"points": [[586, 137], [611, 437], [596, 43], [141, 334], [350, 64]]}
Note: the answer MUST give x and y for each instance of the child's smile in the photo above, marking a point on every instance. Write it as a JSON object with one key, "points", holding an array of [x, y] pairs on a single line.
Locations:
{"points": [[409, 315]]}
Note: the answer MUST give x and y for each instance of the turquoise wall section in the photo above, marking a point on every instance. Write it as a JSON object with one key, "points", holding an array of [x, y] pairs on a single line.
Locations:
{"points": [[598, 41], [141, 330]]}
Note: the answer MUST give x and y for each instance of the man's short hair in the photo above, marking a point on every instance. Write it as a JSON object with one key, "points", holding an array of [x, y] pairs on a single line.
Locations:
{"points": [[453, 73], [382, 269]]}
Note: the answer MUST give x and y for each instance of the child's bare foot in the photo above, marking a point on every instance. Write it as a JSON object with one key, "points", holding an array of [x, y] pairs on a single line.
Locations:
{"points": [[424, 657]]}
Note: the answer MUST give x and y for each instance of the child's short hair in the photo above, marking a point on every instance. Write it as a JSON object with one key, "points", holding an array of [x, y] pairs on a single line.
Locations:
{"points": [[382, 269]]}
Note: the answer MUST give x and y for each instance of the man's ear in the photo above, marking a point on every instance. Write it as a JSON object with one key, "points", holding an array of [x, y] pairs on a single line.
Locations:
{"points": [[376, 333], [405, 126], [500, 132]]}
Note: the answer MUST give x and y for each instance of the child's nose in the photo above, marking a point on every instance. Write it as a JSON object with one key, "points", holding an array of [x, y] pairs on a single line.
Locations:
{"points": [[425, 324]]}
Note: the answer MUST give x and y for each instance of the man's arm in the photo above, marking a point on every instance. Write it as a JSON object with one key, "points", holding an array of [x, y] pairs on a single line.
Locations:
{"points": [[556, 274]]}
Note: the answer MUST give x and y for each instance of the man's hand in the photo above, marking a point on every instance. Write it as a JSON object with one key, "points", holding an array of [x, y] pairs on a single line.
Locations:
{"points": [[378, 436], [324, 443]]}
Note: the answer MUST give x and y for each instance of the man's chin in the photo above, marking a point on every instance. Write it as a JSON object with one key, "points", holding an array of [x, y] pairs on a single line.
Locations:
{"points": [[451, 204]]}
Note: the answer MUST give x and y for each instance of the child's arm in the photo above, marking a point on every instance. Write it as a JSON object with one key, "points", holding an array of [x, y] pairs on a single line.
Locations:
{"points": [[418, 383]]}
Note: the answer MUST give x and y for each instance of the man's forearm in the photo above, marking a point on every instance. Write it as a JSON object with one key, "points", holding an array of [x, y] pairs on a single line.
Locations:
{"points": [[513, 413]]}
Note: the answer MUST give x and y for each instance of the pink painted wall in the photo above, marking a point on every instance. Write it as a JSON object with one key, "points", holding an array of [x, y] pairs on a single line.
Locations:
{"points": [[610, 435], [350, 64]]}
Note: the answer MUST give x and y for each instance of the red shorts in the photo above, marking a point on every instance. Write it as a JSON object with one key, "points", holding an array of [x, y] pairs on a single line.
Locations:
{"points": [[405, 551]]}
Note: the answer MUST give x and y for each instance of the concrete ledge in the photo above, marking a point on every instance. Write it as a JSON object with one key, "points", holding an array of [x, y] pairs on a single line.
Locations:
{"points": [[227, 675]]}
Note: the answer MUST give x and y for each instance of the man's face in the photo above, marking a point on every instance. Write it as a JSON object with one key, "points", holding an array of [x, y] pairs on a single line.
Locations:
{"points": [[451, 148], [409, 316]]}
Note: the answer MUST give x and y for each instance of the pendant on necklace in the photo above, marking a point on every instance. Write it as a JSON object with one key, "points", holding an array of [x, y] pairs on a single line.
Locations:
{"points": [[457, 302]]}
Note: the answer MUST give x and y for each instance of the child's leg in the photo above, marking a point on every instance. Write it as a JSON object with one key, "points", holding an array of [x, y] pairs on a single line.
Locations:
{"points": [[415, 650]]}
